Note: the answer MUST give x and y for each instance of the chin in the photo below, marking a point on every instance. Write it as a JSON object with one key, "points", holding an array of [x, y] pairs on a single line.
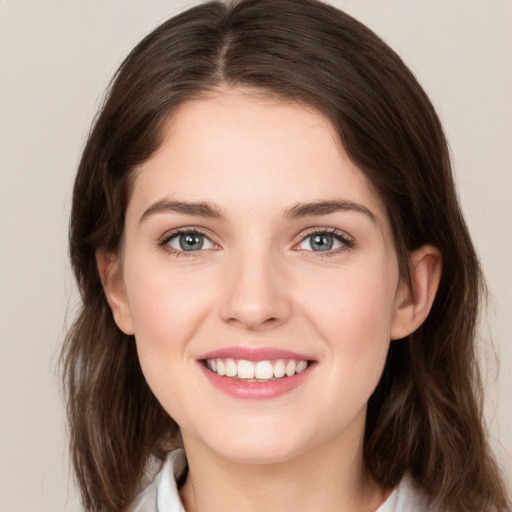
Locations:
{"points": [[266, 447], [261, 454]]}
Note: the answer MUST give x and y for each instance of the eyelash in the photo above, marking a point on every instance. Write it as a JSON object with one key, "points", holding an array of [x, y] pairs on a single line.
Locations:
{"points": [[167, 237], [346, 241]]}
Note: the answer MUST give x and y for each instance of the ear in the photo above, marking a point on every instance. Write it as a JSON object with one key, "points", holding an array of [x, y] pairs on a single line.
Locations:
{"points": [[111, 274], [412, 304]]}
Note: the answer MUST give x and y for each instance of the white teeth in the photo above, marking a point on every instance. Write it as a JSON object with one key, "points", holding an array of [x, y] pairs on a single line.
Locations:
{"points": [[301, 366], [279, 369], [245, 369], [264, 370], [221, 367], [231, 368], [290, 368], [261, 370]]}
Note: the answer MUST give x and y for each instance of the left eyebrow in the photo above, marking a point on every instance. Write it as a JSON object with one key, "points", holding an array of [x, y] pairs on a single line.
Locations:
{"points": [[318, 208]]}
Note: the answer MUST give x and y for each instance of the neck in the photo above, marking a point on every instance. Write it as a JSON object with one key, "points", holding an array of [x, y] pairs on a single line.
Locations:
{"points": [[329, 477]]}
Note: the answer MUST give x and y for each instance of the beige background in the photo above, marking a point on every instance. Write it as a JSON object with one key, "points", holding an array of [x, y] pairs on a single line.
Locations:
{"points": [[56, 57]]}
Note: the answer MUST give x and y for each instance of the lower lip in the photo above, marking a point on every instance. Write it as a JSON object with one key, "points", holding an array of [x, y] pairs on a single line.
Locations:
{"points": [[256, 390]]}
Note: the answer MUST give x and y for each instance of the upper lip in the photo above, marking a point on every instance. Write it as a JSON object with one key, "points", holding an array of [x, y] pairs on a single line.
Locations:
{"points": [[253, 354]]}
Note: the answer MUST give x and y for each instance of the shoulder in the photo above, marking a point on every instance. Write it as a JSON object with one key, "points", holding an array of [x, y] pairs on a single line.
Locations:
{"points": [[161, 494], [407, 497]]}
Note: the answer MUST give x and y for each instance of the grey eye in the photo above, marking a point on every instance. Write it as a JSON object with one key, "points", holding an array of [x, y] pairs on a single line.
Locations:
{"points": [[320, 242], [190, 242]]}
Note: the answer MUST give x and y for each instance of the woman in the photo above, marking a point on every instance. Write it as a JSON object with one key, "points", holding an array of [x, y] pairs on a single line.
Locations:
{"points": [[276, 275]]}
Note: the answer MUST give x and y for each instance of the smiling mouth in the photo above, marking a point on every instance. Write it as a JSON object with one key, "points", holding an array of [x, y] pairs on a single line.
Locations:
{"points": [[256, 371]]}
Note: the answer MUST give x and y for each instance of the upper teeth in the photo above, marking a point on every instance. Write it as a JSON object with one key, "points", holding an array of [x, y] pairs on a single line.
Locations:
{"points": [[261, 370]]}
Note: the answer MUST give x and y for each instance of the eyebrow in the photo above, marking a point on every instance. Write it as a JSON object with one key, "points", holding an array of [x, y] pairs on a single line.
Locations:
{"points": [[209, 210], [200, 209], [318, 208]]}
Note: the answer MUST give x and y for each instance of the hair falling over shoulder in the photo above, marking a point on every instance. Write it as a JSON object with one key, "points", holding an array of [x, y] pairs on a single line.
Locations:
{"points": [[425, 417]]}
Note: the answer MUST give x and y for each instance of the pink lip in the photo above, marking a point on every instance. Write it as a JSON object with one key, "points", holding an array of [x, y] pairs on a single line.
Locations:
{"points": [[253, 354], [255, 390]]}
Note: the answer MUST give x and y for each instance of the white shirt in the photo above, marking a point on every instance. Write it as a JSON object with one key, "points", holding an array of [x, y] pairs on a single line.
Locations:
{"points": [[161, 495]]}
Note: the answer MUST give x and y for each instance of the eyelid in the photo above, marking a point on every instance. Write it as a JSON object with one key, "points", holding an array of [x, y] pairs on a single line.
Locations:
{"points": [[163, 241], [347, 240]]}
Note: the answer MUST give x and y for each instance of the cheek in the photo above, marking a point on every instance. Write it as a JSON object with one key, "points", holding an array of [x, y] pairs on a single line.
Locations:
{"points": [[352, 312], [168, 308], [166, 304], [355, 302]]}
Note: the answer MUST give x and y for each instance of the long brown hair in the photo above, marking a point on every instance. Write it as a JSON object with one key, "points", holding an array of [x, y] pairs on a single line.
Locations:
{"points": [[425, 417]]}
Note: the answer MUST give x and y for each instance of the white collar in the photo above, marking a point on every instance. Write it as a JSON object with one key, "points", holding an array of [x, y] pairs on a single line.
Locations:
{"points": [[162, 495]]}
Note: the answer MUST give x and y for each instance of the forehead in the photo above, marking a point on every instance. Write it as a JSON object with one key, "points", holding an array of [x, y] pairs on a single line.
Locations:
{"points": [[238, 149]]}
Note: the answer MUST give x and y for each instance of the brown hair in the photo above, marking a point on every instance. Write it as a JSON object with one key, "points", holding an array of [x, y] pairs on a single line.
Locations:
{"points": [[425, 417]]}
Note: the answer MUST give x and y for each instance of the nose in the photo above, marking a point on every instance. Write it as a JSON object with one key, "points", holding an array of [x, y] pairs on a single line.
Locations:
{"points": [[256, 296]]}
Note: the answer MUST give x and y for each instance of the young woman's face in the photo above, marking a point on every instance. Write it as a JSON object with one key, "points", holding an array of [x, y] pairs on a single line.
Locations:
{"points": [[255, 248]]}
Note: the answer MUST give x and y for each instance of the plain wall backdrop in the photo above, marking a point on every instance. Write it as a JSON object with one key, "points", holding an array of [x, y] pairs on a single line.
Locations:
{"points": [[56, 59]]}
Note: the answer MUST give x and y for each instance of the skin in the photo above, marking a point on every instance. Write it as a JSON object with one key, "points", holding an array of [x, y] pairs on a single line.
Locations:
{"points": [[258, 283]]}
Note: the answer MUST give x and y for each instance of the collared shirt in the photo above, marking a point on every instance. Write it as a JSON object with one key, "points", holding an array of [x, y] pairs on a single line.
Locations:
{"points": [[161, 495]]}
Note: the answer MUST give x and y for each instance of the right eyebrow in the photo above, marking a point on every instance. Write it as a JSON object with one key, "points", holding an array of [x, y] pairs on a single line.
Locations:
{"points": [[200, 209]]}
